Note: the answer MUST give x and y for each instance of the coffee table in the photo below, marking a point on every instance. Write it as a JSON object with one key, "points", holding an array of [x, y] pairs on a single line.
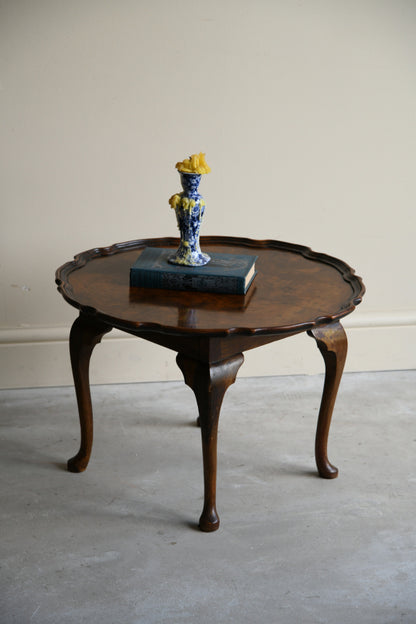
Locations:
{"points": [[296, 290]]}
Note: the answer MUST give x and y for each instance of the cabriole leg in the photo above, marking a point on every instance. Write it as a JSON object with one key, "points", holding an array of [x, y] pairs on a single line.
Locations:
{"points": [[85, 334], [332, 343], [209, 383]]}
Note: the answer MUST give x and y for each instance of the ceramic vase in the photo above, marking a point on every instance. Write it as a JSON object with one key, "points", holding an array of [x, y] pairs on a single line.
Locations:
{"points": [[189, 208]]}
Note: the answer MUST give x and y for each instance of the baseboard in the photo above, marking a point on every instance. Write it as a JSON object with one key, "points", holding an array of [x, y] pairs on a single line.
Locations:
{"points": [[37, 357]]}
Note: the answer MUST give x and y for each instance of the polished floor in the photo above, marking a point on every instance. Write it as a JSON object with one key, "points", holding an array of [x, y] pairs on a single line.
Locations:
{"points": [[119, 544]]}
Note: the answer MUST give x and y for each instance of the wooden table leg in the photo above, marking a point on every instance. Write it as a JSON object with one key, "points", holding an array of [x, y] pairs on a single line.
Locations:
{"points": [[209, 383], [332, 343], [85, 334]]}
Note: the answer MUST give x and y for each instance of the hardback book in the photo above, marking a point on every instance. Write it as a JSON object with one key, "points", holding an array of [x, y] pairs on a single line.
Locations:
{"points": [[224, 273]]}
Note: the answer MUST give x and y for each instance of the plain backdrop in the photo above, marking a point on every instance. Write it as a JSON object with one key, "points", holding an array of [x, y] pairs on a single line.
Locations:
{"points": [[306, 110]]}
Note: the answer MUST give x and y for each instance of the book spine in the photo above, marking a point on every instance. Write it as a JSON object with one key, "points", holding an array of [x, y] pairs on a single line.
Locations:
{"points": [[202, 283], [185, 281]]}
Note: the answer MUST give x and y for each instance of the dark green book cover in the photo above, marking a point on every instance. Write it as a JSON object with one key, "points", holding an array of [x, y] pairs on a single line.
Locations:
{"points": [[224, 273]]}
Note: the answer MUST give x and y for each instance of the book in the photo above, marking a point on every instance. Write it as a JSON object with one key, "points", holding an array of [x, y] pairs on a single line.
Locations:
{"points": [[224, 273]]}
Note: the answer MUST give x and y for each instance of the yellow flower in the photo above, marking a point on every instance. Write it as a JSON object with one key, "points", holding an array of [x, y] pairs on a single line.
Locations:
{"points": [[194, 164], [174, 200]]}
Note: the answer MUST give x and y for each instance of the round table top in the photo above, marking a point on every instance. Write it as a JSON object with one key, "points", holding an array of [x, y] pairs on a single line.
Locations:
{"points": [[294, 290]]}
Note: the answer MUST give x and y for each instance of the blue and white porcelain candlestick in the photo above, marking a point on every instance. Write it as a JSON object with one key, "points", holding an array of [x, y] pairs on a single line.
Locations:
{"points": [[189, 207]]}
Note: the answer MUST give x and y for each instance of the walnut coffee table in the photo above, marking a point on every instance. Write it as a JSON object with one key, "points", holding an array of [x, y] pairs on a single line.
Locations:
{"points": [[295, 290]]}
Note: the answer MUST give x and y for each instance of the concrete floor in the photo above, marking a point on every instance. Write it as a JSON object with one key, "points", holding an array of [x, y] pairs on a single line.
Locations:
{"points": [[118, 544]]}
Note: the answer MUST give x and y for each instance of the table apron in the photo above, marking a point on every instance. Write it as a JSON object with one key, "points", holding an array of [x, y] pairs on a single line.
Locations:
{"points": [[211, 348]]}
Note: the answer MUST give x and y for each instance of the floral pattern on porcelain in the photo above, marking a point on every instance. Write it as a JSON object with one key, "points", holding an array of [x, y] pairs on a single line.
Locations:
{"points": [[189, 207]]}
